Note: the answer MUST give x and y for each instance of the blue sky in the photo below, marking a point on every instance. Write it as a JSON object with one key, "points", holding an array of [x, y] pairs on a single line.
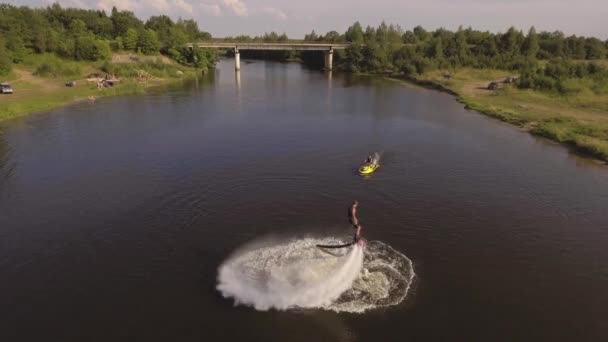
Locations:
{"points": [[296, 18]]}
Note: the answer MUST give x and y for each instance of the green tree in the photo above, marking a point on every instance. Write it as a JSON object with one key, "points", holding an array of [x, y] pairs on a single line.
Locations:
{"points": [[191, 29], [177, 37], [354, 58], [594, 49], [85, 49], [552, 44], [370, 34], [124, 20], [130, 39], [354, 34], [461, 47], [575, 47], [436, 50], [77, 28], [162, 25], [102, 50], [66, 48], [510, 42], [531, 46], [404, 59], [409, 38], [421, 34], [148, 42], [15, 46], [5, 60], [332, 37], [118, 44], [39, 43], [311, 37], [102, 26]]}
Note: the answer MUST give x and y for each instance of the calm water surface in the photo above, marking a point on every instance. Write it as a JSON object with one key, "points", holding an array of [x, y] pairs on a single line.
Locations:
{"points": [[115, 216]]}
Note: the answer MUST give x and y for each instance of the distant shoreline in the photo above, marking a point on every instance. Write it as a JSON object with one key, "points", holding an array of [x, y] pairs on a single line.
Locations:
{"points": [[512, 111], [34, 99]]}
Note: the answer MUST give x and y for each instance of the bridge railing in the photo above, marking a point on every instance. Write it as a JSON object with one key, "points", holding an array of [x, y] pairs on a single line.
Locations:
{"points": [[273, 46]]}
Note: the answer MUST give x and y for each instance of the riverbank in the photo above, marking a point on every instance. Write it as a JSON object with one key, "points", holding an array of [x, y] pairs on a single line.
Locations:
{"points": [[577, 121], [35, 93]]}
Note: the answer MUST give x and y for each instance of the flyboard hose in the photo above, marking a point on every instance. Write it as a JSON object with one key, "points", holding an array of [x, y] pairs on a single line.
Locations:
{"points": [[337, 246]]}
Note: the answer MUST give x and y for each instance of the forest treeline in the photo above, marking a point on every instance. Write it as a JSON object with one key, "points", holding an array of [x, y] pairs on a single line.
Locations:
{"points": [[545, 61], [79, 34]]}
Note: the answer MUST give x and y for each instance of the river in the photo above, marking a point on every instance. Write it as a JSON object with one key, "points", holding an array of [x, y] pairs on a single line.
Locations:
{"points": [[115, 216]]}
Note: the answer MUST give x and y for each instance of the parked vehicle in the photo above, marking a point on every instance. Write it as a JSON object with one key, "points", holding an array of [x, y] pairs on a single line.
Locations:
{"points": [[5, 88]]}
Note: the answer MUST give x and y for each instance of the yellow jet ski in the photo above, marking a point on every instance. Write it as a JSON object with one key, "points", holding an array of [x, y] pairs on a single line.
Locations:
{"points": [[368, 168]]}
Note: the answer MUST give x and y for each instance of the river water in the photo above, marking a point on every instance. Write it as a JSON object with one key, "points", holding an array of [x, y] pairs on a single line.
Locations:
{"points": [[115, 216]]}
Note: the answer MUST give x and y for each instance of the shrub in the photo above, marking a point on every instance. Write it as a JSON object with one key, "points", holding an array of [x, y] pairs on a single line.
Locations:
{"points": [[51, 66], [544, 83], [569, 86]]}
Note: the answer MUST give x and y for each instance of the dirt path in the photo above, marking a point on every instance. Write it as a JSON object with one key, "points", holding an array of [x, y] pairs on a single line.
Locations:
{"points": [[26, 83]]}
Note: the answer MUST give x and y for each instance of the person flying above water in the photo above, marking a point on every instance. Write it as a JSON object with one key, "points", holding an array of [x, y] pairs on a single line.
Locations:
{"points": [[352, 214], [352, 218]]}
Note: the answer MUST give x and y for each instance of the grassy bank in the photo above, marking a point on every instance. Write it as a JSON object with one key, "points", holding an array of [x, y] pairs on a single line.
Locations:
{"points": [[579, 120], [39, 82]]}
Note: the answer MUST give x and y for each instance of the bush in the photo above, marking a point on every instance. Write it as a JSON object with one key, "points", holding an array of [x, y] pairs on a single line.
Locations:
{"points": [[117, 44], [174, 54], [157, 69], [48, 65], [47, 69], [569, 86], [544, 83], [103, 51], [89, 48], [5, 61]]}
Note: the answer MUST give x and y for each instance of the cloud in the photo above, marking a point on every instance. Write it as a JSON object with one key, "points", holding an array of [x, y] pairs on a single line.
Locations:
{"points": [[237, 7], [63, 3], [211, 9], [184, 6], [69, 3], [121, 5], [274, 12], [159, 5]]}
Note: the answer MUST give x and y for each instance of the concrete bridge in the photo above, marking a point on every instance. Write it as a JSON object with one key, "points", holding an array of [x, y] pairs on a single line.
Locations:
{"points": [[328, 48]]}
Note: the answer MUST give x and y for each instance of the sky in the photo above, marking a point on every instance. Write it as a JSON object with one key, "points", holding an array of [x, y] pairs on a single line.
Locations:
{"points": [[297, 17]]}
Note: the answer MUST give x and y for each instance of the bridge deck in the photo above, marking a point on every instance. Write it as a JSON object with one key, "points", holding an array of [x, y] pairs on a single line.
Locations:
{"points": [[272, 46]]}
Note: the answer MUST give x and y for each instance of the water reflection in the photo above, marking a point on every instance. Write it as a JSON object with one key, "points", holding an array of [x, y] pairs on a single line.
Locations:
{"points": [[7, 165], [237, 76], [329, 77], [237, 81]]}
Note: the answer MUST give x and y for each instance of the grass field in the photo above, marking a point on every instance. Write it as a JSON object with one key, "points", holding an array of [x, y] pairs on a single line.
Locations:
{"points": [[39, 82], [579, 120]]}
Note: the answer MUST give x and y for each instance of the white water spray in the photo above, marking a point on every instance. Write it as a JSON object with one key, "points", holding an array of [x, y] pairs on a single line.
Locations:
{"points": [[298, 274]]}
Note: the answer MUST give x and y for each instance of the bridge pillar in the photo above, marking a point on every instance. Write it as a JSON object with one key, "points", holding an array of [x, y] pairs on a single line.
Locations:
{"points": [[329, 59], [237, 60]]}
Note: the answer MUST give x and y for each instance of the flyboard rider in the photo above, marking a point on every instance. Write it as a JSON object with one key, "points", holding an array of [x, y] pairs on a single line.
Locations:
{"points": [[352, 218]]}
